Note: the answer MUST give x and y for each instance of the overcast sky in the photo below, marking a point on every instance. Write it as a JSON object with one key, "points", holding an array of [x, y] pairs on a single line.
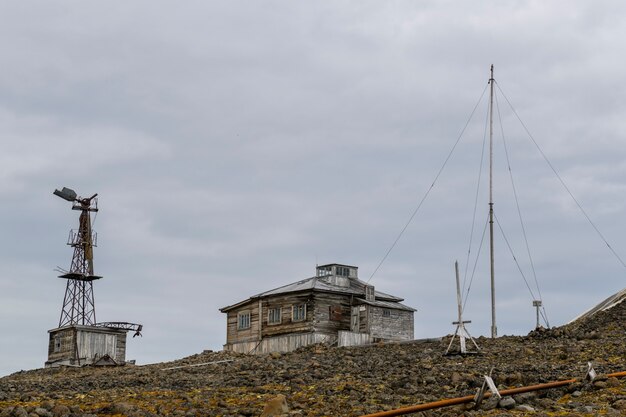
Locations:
{"points": [[234, 145]]}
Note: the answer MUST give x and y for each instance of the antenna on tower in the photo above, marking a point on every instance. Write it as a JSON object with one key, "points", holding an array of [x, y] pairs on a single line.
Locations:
{"points": [[461, 331], [537, 304]]}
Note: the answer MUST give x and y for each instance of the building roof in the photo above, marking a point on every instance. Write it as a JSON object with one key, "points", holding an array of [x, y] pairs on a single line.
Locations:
{"points": [[357, 287], [607, 304], [336, 264], [387, 304]]}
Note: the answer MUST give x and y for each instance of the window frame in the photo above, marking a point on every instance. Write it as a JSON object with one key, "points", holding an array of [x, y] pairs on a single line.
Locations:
{"points": [[335, 312], [57, 343], [295, 312], [274, 322], [343, 271], [241, 323], [386, 312]]}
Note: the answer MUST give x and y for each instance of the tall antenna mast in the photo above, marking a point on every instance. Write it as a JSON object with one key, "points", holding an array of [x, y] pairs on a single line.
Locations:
{"points": [[78, 304], [494, 328]]}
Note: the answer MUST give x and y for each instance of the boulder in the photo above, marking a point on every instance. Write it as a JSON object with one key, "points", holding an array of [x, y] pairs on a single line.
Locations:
{"points": [[506, 402], [276, 407]]}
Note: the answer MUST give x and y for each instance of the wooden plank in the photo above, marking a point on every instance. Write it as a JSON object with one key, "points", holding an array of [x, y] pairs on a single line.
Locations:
{"points": [[346, 338]]}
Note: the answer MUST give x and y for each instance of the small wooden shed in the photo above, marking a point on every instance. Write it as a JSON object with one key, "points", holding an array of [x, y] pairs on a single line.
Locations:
{"points": [[77, 345], [333, 307]]}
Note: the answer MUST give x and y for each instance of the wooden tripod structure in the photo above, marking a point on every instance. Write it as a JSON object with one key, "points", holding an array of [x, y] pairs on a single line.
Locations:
{"points": [[461, 331]]}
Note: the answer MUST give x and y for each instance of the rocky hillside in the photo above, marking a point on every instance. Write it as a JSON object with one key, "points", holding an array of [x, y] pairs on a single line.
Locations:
{"points": [[325, 381]]}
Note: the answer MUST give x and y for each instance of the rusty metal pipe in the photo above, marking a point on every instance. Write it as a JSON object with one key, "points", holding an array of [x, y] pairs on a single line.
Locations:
{"points": [[423, 407], [470, 398]]}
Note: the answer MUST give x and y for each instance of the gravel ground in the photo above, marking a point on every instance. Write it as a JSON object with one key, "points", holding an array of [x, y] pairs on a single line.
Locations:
{"points": [[326, 381]]}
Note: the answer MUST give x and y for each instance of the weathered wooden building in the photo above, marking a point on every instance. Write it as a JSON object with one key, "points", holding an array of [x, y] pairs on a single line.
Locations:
{"points": [[332, 307], [77, 345]]}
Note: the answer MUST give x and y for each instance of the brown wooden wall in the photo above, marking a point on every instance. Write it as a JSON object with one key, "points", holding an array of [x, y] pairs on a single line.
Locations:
{"points": [[120, 354], [331, 321], [234, 335], [287, 324], [326, 313], [90, 343], [67, 349]]}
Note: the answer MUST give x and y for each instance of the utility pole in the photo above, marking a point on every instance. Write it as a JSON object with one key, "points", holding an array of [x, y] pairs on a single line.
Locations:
{"points": [[494, 328]]}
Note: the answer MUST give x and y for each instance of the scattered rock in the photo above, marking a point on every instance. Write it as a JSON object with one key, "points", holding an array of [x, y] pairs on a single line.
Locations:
{"points": [[48, 405], [6, 412], [42, 412], [490, 403], [20, 412], [60, 411], [599, 384], [612, 382], [276, 407], [506, 402], [525, 397], [319, 380], [430, 380], [456, 378], [619, 404], [117, 408]]}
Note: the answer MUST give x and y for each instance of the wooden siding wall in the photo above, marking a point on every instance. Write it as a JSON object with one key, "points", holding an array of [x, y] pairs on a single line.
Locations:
{"points": [[287, 325], [120, 354], [95, 344], [285, 343], [326, 314], [346, 338], [398, 326], [364, 319], [322, 304], [234, 335], [66, 351], [91, 344]]}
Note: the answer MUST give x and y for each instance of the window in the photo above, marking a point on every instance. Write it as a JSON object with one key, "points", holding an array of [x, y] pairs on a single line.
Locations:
{"points": [[57, 343], [323, 271], [273, 316], [298, 312], [243, 320], [386, 312], [343, 271], [335, 313]]}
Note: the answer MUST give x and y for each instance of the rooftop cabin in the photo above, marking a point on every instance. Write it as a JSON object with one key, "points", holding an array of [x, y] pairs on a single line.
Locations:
{"points": [[338, 275], [333, 307]]}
